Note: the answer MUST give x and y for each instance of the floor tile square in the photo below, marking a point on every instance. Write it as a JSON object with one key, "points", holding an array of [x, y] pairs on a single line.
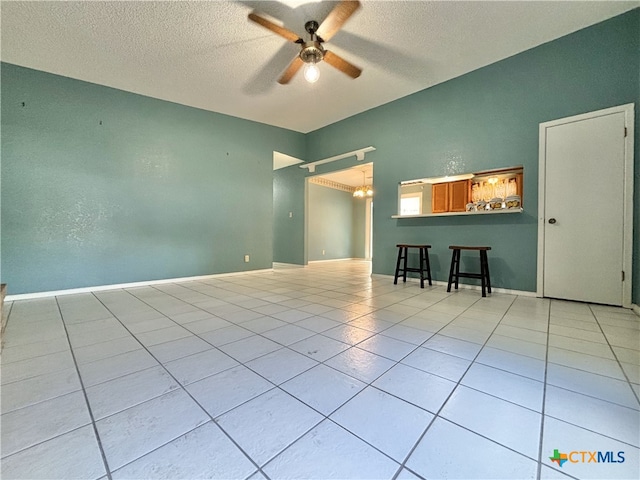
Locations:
{"points": [[279, 417], [37, 389], [512, 362], [434, 456], [599, 386], [134, 432], [589, 363], [250, 348], [113, 367], [200, 365], [121, 393], [347, 333], [319, 347], [317, 324], [407, 334], [36, 366], [514, 345], [183, 347], [360, 364], [102, 350], [437, 363], [168, 334], [416, 386], [226, 390], [72, 455], [323, 388], [494, 418], [609, 419], [288, 334], [205, 452], [43, 421], [453, 346], [329, 452], [387, 347], [11, 354], [281, 365], [567, 438], [508, 386], [263, 324], [369, 414], [226, 335]]}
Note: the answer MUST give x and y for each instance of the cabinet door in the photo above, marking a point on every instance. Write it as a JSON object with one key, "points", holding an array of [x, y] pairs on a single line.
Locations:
{"points": [[439, 197], [458, 196]]}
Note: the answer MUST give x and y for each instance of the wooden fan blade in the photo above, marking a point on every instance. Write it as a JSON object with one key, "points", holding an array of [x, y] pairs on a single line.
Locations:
{"points": [[338, 16], [283, 32], [291, 70], [341, 64]]}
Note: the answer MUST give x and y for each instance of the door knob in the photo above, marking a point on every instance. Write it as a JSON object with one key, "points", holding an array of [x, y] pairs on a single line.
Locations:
{"points": [[552, 221]]}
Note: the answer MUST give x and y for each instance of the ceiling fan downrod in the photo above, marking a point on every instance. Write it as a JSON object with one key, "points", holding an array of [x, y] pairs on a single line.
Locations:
{"points": [[312, 51]]}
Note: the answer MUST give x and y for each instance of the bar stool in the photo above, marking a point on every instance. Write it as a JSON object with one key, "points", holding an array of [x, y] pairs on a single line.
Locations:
{"points": [[403, 251], [455, 274]]}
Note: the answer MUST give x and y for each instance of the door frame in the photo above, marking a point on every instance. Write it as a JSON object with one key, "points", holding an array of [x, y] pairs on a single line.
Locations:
{"points": [[627, 248]]}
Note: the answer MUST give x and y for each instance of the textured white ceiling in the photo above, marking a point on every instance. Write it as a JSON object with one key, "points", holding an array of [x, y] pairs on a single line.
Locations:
{"points": [[206, 54], [354, 177]]}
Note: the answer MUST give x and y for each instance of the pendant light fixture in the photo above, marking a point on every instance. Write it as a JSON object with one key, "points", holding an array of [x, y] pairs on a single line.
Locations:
{"points": [[364, 190]]}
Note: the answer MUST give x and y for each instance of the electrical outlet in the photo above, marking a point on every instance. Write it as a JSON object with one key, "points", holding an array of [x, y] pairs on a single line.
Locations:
{"points": [[246, 259], [290, 214], [323, 252]]}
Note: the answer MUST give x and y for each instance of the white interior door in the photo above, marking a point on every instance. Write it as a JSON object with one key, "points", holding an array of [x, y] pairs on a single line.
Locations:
{"points": [[584, 208]]}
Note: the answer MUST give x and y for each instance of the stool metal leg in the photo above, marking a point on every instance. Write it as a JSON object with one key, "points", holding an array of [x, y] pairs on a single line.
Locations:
{"points": [[395, 279], [406, 254], [484, 270], [427, 265], [422, 267], [452, 270], [457, 267], [483, 274]]}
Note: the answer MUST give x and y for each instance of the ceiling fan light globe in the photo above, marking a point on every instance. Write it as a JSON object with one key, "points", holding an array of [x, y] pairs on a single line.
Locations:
{"points": [[311, 73]]}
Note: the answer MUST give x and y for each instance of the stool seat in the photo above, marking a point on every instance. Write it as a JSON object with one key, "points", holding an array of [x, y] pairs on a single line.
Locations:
{"points": [[483, 275], [425, 267]]}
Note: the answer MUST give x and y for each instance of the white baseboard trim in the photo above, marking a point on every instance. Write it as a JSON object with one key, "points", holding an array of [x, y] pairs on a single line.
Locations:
{"points": [[287, 265], [464, 286], [636, 309], [338, 260], [102, 288]]}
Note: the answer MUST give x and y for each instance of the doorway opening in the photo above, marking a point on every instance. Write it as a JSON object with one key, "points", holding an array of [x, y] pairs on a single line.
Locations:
{"points": [[338, 219]]}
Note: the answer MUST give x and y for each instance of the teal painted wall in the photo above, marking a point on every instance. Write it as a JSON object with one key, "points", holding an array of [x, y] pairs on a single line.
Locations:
{"points": [[358, 227], [288, 231], [331, 223], [101, 186], [488, 119]]}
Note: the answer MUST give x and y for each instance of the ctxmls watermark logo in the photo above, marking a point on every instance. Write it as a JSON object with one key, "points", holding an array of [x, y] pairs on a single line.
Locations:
{"points": [[587, 457]]}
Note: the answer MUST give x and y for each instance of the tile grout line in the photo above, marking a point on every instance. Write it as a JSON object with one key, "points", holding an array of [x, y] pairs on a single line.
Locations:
{"points": [[544, 393], [458, 383], [326, 417], [84, 393], [182, 387], [615, 355]]}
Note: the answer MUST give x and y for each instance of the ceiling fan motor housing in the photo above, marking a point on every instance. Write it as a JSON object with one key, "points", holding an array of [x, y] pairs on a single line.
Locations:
{"points": [[312, 52]]}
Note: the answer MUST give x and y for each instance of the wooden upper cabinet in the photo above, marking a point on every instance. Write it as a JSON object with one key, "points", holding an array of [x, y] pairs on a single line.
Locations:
{"points": [[458, 196], [450, 196], [439, 197]]}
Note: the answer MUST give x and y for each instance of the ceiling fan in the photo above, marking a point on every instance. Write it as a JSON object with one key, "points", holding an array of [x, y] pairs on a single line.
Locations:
{"points": [[312, 51]]}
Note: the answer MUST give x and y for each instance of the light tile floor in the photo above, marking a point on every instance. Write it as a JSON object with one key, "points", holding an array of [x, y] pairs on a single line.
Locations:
{"points": [[317, 372]]}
